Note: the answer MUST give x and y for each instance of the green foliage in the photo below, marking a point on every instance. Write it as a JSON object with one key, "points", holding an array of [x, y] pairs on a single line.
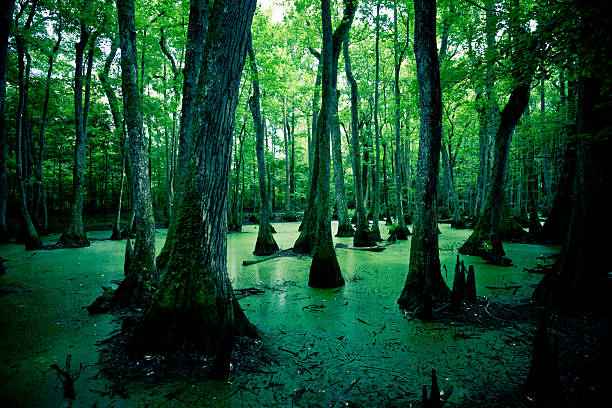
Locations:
{"points": [[287, 72]]}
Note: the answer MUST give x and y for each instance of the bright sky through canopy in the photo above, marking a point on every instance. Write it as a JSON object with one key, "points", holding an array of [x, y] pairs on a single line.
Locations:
{"points": [[277, 9]]}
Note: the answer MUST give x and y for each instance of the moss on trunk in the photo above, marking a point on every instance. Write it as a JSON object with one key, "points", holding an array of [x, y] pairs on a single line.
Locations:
{"points": [[424, 285], [194, 307]]}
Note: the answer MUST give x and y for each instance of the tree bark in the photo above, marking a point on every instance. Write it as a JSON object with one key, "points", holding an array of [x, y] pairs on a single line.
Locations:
{"points": [[401, 231], [546, 154], [40, 210], [315, 117], [363, 236], [309, 228], [141, 274], [265, 244], [488, 112], [115, 108], [170, 144], [74, 234], [5, 24], [424, 283], [375, 172], [288, 142], [446, 145], [580, 277], [194, 307], [345, 229], [388, 221], [196, 37], [325, 269], [532, 182], [31, 238], [558, 221], [292, 161], [486, 239]]}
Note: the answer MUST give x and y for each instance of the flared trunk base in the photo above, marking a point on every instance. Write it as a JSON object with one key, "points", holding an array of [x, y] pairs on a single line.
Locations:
{"points": [[363, 238], [265, 246], [325, 269], [345, 230], [417, 297], [486, 245], [73, 240]]}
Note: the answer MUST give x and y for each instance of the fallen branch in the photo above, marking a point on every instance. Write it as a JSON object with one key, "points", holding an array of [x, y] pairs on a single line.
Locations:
{"points": [[344, 393], [314, 308], [504, 287], [375, 248], [282, 252], [242, 293], [288, 351], [540, 269]]}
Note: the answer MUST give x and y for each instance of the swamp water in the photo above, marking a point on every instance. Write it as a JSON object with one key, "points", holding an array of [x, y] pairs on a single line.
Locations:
{"points": [[319, 341]]}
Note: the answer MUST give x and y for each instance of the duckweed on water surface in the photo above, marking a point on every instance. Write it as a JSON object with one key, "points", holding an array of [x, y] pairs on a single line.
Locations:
{"points": [[321, 347]]}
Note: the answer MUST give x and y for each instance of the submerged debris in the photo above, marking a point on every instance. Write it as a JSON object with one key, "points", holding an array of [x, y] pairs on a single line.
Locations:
{"points": [[67, 378]]}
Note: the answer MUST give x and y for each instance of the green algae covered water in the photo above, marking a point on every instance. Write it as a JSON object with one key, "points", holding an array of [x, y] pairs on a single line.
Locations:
{"points": [[323, 347]]}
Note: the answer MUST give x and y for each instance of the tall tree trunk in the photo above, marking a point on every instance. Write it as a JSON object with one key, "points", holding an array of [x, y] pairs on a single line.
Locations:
{"points": [[580, 277], [389, 221], [375, 172], [424, 283], [531, 181], [363, 236], [345, 229], [27, 141], [170, 146], [489, 111], [305, 241], [196, 37], [312, 137], [32, 241], [309, 227], [115, 109], [292, 161], [265, 244], [409, 177], [6, 17], [401, 231], [194, 308], [140, 273], [30, 236], [40, 210], [558, 221], [448, 173], [486, 239], [446, 145], [325, 269], [546, 154], [289, 211], [74, 234]]}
